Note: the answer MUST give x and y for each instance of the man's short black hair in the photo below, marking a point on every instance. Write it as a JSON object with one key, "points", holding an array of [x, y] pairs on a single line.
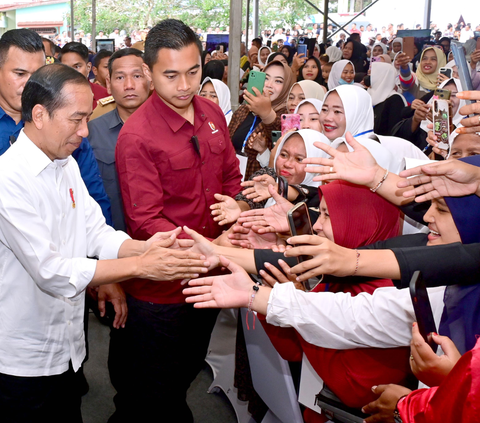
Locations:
{"points": [[75, 47], [24, 39], [45, 87], [99, 56], [122, 53], [169, 33]]}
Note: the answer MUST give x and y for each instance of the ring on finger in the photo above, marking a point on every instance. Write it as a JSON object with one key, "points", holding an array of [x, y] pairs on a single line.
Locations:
{"points": [[331, 169]]}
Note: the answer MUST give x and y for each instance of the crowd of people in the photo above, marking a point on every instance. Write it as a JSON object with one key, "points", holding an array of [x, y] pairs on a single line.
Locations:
{"points": [[126, 175]]}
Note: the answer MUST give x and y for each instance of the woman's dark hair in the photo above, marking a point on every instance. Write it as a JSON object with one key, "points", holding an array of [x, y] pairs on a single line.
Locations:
{"points": [[24, 39], [204, 55], [123, 53], [359, 56], [169, 33], [272, 56], [214, 69], [74, 47], [45, 87], [291, 53], [319, 78]]}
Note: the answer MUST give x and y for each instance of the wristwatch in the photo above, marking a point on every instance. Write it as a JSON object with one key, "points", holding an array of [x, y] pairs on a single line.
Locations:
{"points": [[396, 417]]}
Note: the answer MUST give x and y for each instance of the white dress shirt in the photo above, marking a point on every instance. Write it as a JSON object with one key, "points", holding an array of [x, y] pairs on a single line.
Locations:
{"points": [[339, 321], [49, 225]]}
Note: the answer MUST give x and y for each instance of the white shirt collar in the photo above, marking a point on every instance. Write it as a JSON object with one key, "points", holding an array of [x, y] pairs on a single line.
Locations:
{"points": [[37, 160]]}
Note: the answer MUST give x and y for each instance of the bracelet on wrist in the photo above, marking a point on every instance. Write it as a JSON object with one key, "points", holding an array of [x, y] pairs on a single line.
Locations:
{"points": [[374, 189], [250, 303], [358, 262]]}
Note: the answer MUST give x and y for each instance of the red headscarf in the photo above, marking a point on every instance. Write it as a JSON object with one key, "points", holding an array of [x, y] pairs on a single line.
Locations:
{"points": [[359, 217]]}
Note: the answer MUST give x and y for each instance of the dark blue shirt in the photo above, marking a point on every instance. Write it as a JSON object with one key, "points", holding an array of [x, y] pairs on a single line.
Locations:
{"points": [[8, 128]]}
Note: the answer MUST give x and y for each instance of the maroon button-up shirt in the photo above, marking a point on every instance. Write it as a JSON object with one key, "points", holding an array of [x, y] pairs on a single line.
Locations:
{"points": [[168, 179]]}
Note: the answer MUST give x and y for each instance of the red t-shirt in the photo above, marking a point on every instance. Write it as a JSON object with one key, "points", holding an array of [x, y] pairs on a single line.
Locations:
{"points": [[165, 182]]}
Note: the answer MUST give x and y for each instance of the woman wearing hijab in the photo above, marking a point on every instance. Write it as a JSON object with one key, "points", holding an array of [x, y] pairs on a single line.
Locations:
{"points": [[387, 103], [311, 71], [253, 56], [425, 79], [414, 127], [309, 111], [254, 121], [288, 52], [342, 73], [334, 54], [292, 150], [263, 54], [378, 49], [356, 53], [218, 92], [302, 90], [397, 47]]}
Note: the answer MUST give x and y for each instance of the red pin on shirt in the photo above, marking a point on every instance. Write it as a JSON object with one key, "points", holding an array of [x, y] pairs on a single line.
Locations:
{"points": [[72, 197]]}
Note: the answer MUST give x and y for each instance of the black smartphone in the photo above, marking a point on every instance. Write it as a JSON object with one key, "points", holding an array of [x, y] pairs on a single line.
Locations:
{"points": [[300, 224], [275, 137], [446, 71], [423, 309]]}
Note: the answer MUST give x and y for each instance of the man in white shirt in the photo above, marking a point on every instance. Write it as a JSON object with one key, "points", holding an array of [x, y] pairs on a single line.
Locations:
{"points": [[49, 225]]}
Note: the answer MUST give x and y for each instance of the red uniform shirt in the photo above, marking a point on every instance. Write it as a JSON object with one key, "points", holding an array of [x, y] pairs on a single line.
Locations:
{"points": [[166, 182]]}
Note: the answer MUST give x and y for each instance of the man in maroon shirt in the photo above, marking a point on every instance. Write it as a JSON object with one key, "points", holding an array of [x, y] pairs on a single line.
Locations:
{"points": [[172, 156], [75, 55]]}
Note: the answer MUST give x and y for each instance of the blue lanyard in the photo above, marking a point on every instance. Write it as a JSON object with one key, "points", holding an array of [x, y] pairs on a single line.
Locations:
{"points": [[249, 133], [363, 133]]}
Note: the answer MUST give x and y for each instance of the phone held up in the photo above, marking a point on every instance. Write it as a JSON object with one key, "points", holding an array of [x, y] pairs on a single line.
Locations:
{"points": [[423, 309], [300, 224], [441, 119], [256, 79], [289, 122]]}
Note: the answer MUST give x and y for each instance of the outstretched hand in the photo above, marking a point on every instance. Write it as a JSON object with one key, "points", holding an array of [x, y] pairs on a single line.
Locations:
{"points": [[270, 219], [358, 166], [226, 210], [257, 188], [247, 238], [450, 178], [382, 408], [224, 291]]}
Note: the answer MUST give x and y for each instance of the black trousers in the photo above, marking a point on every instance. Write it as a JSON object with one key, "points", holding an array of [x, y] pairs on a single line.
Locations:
{"points": [[53, 399], [154, 359]]}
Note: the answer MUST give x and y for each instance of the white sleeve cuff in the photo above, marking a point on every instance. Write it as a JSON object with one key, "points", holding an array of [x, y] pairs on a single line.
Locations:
{"points": [[264, 158], [112, 244], [83, 270]]}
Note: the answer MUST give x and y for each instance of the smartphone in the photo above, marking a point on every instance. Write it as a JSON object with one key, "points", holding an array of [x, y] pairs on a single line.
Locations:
{"points": [[408, 46], [374, 59], [302, 49], [476, 35], [256, 79], [299, 222], [441, 122], [423, 309], [446, 71], [463, 68], [478, 40], [275, 137], [289, 122], [442, 94]]}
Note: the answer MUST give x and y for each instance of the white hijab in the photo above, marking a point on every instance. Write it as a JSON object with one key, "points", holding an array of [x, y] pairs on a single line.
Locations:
{"points": [[334, 54], [314, 102], [384, 47], [309, 136], [383, 82], [223, 94], [312, 89], [259, 59], [357, 104], [456, 119], [336, 73], [398, 40]]}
